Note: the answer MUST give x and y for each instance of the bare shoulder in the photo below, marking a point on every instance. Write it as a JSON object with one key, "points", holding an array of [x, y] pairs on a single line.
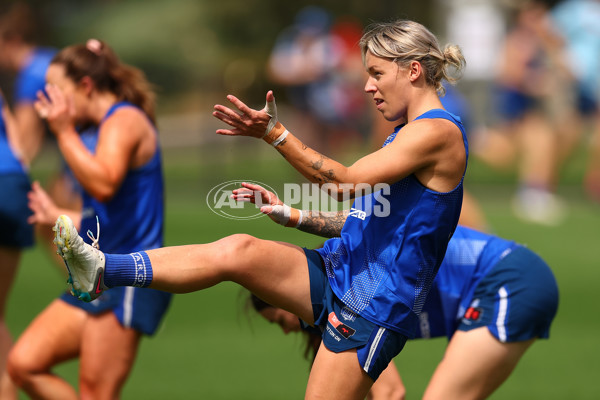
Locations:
{"points": [[434, 130], [130, 119]]}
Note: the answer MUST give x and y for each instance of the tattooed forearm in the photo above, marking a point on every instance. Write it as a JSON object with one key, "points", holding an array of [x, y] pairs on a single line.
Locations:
{"points": [[323, 223], [322, 176], [317, 165]]}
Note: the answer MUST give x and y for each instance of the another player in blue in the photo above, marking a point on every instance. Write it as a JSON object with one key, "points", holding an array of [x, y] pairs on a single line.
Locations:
{"points": [[492, 298], [20, 54], [16, 234], [367, 288], [122, 179]]}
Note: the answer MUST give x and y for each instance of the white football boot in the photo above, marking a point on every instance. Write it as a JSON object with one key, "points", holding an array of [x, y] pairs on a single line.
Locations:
{"points": [[85, 263]]}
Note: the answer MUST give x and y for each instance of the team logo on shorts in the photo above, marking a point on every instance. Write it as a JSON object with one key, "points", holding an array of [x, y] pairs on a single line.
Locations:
{"points": [[348, 314], [343, 329], [473, 314]]}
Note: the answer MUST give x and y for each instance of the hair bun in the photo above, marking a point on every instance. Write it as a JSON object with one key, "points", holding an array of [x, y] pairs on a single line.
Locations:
{"points": [[94, 45]]}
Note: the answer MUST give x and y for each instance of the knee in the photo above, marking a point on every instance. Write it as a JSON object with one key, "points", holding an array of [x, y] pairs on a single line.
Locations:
{"points": [[236, 253], [90, 388], [389, 392], [21, 366], [96, 384]]}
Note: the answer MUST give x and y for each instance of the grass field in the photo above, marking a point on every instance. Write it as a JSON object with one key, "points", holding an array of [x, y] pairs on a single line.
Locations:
{"points": [[208, 348]]}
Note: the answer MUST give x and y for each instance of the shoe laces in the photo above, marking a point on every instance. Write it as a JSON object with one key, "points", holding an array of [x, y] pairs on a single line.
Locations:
{"points": [[90, 234]]}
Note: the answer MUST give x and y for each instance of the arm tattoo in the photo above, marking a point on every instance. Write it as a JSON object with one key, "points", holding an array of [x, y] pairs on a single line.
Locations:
{"points": [[322, 176], [323, 223]]}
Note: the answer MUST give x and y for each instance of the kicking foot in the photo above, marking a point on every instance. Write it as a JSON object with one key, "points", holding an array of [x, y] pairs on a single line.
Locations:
{"points": [[84, 263]]}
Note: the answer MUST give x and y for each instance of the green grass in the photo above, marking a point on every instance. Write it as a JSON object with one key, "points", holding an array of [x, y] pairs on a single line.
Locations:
{"points": [[208, 348]]}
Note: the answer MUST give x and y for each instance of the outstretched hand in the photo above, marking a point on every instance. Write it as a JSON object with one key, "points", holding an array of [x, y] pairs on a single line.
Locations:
{"points": [[269, 204], [44, 209], [247, 121]]}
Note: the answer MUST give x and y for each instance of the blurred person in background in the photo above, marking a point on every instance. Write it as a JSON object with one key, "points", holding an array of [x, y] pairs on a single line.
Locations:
{"points": [[529, 113], [121, 174], [318, 62], [20, 54], [577, 21], [16, 233]]}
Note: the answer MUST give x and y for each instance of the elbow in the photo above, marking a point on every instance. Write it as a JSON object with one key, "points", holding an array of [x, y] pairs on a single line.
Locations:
{"points": [[103, 193], [348, 191], [338, 191], [103, 197]]}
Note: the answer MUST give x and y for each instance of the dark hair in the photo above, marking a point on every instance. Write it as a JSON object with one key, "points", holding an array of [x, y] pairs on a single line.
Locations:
{"points": [[98, 61], [312, 340]]}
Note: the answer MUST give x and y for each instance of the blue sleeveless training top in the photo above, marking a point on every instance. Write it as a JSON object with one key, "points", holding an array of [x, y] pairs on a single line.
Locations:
{"points": [[9, 164], [470, 256], [383, 264], [133, 219]]}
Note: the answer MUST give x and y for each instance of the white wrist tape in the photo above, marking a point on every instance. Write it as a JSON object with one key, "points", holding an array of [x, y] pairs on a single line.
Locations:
{"points": [[286, 215], [280, 139]]}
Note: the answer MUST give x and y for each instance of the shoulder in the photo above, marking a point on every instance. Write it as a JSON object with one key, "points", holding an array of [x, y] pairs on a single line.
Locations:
{"points": [[130, 119], [128, 113], [433, 130]]}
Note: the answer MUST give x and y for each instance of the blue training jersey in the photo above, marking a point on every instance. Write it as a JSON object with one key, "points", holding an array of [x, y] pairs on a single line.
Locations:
{"points": [[133, 219], [9, 163], [383, 264], [470, 256]]}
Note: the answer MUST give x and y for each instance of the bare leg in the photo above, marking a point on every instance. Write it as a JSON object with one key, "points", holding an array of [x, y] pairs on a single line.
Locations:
{"points": [[388, 386], [108, 352], [471, 214], [539, 158], [9, 260], [276, 272], [53, 337], [348, 382], [474, 366], [592, 174], [496, 146]]}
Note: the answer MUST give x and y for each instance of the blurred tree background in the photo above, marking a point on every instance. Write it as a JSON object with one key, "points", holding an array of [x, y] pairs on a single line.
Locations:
{"points": [[191, 49]]}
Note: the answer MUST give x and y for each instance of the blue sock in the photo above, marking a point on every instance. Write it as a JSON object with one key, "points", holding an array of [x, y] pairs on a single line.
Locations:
{"points": [[132, 269]]}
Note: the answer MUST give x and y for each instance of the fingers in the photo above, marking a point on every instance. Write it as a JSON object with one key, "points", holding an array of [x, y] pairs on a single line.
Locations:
{"points": [[225, 114], [55, 95], [253, 187], [270, 96], [240, 105], [266, 210], [42, 105]]}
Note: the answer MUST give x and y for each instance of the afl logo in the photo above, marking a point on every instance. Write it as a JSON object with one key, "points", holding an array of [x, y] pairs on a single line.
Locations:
{"points": [[220, 202]]}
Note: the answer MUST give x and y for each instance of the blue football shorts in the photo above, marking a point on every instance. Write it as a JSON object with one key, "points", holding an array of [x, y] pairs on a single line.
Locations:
{"points": [[343, 330], [517, 300], [14, 211], [141, 309]]}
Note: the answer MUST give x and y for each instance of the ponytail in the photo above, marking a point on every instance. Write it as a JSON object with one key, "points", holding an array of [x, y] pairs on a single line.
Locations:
{"points": [[98, 61]]}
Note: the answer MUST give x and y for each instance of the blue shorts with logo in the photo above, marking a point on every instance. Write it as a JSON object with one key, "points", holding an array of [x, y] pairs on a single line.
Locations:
{"points": [[141, 309], [14, 211], [343, 329], [517, 300]]}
